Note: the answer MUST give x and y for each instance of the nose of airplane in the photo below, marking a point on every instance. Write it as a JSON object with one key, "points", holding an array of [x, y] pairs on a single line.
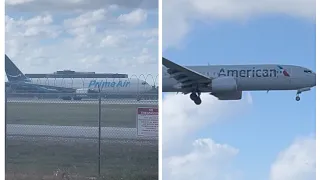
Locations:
{"points": [[148, 87]]}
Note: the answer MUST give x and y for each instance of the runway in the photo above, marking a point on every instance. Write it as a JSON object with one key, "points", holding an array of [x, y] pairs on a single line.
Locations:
{"points": [[88, 101], [74, 132]]}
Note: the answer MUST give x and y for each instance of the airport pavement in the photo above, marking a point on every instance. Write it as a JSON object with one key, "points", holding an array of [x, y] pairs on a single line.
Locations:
{"points": [[89, 101], [74, 132], [59, 114]]}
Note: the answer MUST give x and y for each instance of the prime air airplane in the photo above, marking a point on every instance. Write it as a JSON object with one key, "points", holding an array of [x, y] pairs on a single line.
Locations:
{"points": [[227, 82], [78, 86]]}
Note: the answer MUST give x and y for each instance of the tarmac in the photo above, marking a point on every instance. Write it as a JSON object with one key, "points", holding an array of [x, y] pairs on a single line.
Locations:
{"points": [[87, 101], [74, 132]]}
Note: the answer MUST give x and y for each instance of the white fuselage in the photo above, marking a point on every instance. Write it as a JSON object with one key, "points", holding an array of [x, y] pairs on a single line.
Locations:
{"points": [[251, 77], [110, 85]]}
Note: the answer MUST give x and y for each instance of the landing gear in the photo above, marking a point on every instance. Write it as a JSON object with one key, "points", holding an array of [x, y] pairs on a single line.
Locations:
{"points": [[300, 91], [66, 98], [197, 101], [77, 98], [298, 97], [195, 97]]}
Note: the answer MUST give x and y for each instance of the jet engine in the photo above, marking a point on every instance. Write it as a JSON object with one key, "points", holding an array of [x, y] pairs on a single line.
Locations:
{"points": [[225, 88], [86, 92], [237, 95], [81, 93], [223, 85]]}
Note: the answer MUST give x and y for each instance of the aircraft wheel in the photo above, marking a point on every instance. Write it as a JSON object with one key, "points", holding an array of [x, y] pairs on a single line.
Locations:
{"points": [[66, 98], [197, 101], [77, 98], [193, 96], [297, 98]]}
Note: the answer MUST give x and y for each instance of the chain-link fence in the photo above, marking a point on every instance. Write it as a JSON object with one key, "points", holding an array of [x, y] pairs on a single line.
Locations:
{"points": [[99, 137]]}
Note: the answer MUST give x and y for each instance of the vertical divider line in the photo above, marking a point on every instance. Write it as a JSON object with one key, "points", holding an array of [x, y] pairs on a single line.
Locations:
{"points": [[99, 141]]}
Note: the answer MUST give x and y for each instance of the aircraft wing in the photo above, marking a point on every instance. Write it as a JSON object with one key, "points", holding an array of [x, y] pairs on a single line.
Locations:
{"points": [[40, 88], [187, 77], [56, 89]]}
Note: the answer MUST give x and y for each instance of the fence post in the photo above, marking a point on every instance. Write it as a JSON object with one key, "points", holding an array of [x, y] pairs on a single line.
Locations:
{"points": [[99, 165]]}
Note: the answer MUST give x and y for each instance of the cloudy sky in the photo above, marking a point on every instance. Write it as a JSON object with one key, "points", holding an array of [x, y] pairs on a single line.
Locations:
{"points": [[265, 136], [112, 36]]}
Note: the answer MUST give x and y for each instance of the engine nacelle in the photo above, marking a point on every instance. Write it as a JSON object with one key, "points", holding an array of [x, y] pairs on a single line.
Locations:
{"points": [[237, 95], [223, 85], [82, 92]]}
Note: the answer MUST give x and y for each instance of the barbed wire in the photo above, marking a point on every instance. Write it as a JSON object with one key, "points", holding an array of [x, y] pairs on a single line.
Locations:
{"points": [[145, 78]]}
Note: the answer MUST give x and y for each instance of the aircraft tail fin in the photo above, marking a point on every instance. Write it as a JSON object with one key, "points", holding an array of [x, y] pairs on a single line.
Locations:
{"points": [[13, 72]]}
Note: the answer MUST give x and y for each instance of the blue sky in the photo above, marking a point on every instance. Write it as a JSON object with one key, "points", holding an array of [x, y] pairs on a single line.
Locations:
{"points": [[274, 120]]}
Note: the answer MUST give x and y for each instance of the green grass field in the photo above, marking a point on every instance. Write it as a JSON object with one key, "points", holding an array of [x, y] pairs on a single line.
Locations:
{"points": [[113, 115], [40, 159]]}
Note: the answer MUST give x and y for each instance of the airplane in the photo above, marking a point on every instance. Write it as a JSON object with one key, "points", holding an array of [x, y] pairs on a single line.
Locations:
{"points": [[227, 82], [78, 86]]}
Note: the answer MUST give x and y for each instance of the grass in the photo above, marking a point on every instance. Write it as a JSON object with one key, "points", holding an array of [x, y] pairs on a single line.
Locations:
{"points": [[35, 158], [112, 115]]}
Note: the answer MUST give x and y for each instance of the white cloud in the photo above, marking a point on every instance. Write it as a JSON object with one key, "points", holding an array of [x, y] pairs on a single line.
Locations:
{"points": [[86, 19], [182, 118], [145, 57], [133, 18], [114, 41], [178, 15], [16, 2], [38, 27], [249, 97], [207, 160], [82, 38], [151, 33], [39, 20], [297, 162], [187, 155], [77, 5], [182, 121]]}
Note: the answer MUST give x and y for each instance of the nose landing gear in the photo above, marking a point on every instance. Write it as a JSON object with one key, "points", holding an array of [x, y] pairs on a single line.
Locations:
{"points": [[195, 97], [300, 91], [297, 96]]}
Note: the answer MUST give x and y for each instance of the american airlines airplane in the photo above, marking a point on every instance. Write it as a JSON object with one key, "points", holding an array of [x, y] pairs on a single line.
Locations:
{"points": [[78, 86], [227, 82]]}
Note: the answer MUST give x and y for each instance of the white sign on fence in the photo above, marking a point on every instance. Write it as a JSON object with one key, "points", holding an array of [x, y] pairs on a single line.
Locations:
{"points": [[147, 122]]}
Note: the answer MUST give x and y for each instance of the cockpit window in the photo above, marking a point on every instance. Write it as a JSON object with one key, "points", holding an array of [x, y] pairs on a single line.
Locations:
{"points": [[144, 83], [307, 71]]}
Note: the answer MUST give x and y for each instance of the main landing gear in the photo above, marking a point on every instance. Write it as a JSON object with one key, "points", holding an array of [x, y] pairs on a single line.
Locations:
{"points": [[195, 97]]}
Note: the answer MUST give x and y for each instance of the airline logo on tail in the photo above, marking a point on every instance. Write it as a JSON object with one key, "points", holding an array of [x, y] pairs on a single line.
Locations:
{"points": [[285, 73], [13, 72]]}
